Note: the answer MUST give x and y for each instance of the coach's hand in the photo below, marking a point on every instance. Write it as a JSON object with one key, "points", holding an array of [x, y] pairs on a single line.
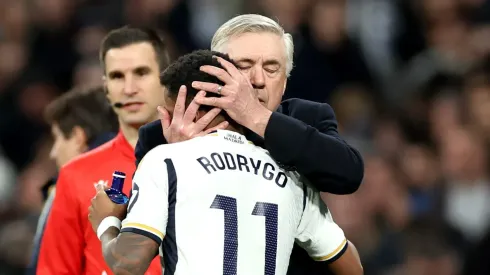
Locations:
{"points": [[182, 125], [102, 207], [238, 97]]}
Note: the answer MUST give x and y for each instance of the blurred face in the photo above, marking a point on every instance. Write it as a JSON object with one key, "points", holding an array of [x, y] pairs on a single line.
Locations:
{"points": [[444, 115], [479, 107], [328, 21], [378, 176], [64, 149], [132, 78], [262, 57], [419, 166], [462, 156]]}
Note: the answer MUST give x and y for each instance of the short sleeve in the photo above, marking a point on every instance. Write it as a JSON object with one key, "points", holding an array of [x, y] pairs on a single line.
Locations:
{"points": [[318, 234], [148, 205]]}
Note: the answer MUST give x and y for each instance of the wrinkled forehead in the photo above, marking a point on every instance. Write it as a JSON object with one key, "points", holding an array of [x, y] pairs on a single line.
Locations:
{"points": [[263, 46]]}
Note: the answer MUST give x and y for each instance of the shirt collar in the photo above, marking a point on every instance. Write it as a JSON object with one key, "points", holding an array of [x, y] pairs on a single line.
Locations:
{"points": [[123, 145]]}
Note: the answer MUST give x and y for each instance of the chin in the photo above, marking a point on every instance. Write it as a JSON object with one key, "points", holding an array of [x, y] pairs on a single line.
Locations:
{"points": [[137, 119]]}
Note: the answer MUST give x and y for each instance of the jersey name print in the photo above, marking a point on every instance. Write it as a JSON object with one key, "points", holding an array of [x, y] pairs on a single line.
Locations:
{"points": [[219, 206], [225, 160]]}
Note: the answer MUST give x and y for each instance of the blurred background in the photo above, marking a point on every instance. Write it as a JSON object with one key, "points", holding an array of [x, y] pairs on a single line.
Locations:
{"points": [[408, 80]]}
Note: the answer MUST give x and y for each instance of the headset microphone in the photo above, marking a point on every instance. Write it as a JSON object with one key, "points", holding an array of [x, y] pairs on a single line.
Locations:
{"points": [[118, 105]]}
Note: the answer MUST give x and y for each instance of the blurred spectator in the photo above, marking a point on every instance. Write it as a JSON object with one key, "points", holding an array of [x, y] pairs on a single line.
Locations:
{"points": [[327, 57], [422, 176], [80, 120], [464, 164], [88, 72], [430, 249]]}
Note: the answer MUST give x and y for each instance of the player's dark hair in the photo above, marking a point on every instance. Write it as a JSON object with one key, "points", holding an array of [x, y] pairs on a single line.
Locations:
{"points": [[84, 107], [186, 70], [128, 35]]}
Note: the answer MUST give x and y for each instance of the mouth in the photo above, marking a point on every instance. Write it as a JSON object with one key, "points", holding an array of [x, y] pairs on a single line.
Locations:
{"points": [[132, 106]]}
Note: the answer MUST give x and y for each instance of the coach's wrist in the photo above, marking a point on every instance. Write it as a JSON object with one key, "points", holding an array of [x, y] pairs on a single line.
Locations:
{"points": [[258, 120]]}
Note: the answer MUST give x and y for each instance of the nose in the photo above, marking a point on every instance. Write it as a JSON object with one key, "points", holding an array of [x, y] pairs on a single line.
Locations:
{"points": [[257, 77], [129, 86]]}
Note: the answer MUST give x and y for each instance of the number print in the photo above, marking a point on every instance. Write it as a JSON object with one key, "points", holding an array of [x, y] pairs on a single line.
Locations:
{"points": [[228, 205], [270, 212], [230, 253], [133, 197]]}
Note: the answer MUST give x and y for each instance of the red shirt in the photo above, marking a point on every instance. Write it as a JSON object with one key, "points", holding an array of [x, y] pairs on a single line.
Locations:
{"points": [[69, 244]]}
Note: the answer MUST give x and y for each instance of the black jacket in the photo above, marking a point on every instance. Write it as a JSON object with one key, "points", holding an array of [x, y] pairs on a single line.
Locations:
{"points": [[301, 135]]}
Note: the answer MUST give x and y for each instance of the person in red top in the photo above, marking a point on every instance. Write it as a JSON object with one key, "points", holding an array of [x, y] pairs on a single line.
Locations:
{"points": [[132, 59]]}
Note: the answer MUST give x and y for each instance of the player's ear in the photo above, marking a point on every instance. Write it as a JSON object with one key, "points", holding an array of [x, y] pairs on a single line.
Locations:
{"points": [[80, 137], [168, 103]]}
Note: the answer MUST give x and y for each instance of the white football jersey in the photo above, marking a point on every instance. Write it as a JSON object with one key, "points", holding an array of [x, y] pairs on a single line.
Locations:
{"points": [[220, 205]]}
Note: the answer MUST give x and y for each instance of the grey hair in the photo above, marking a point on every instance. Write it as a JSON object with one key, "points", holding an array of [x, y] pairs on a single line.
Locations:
{"points": [[253, 23]]}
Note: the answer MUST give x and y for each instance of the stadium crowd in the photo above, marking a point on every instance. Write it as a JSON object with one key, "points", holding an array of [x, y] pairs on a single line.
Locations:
{"points": [[409, 81]]}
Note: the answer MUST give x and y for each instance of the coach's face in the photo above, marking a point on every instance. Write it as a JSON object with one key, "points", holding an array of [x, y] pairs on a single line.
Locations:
{"points": [[132, 78], [262, 56]]}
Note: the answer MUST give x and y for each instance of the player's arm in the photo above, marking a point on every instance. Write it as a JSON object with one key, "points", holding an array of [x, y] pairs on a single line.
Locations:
{"points": [[62, 253], [324, 240], [126, 252], [347, 264], [131, 250]]}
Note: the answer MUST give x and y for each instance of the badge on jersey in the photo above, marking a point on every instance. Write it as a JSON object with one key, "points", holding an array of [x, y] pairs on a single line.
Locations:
{"points": [[232, 136]]}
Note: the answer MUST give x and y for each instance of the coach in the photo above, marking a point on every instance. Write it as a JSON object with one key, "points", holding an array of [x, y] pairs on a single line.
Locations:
{"points": [[300, 134]]}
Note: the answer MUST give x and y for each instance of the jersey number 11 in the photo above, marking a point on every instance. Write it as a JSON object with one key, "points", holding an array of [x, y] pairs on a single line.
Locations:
{"points": [[269, 211]]}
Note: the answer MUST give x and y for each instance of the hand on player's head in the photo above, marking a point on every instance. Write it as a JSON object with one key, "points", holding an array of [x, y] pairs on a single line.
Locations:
{"points": [[180, 124], [187, 69], [183, 118]]}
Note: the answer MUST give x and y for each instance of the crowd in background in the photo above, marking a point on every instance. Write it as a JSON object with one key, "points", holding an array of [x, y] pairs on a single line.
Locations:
{"points": [[409, 81]]}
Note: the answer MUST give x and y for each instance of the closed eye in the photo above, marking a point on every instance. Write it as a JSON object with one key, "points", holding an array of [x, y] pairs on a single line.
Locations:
{"points": [[272, 66], [116, 75], [271, 70], [141, 71], [244, 67]]}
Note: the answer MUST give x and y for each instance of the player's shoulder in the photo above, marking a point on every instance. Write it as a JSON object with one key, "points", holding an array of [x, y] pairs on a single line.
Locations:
{"points": [[88, 160], [166, 151], [180, 149]]}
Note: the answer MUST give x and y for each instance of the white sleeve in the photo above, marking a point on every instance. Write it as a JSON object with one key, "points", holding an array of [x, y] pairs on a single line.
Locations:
{"points": [[318, 234], [148, 205]]}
